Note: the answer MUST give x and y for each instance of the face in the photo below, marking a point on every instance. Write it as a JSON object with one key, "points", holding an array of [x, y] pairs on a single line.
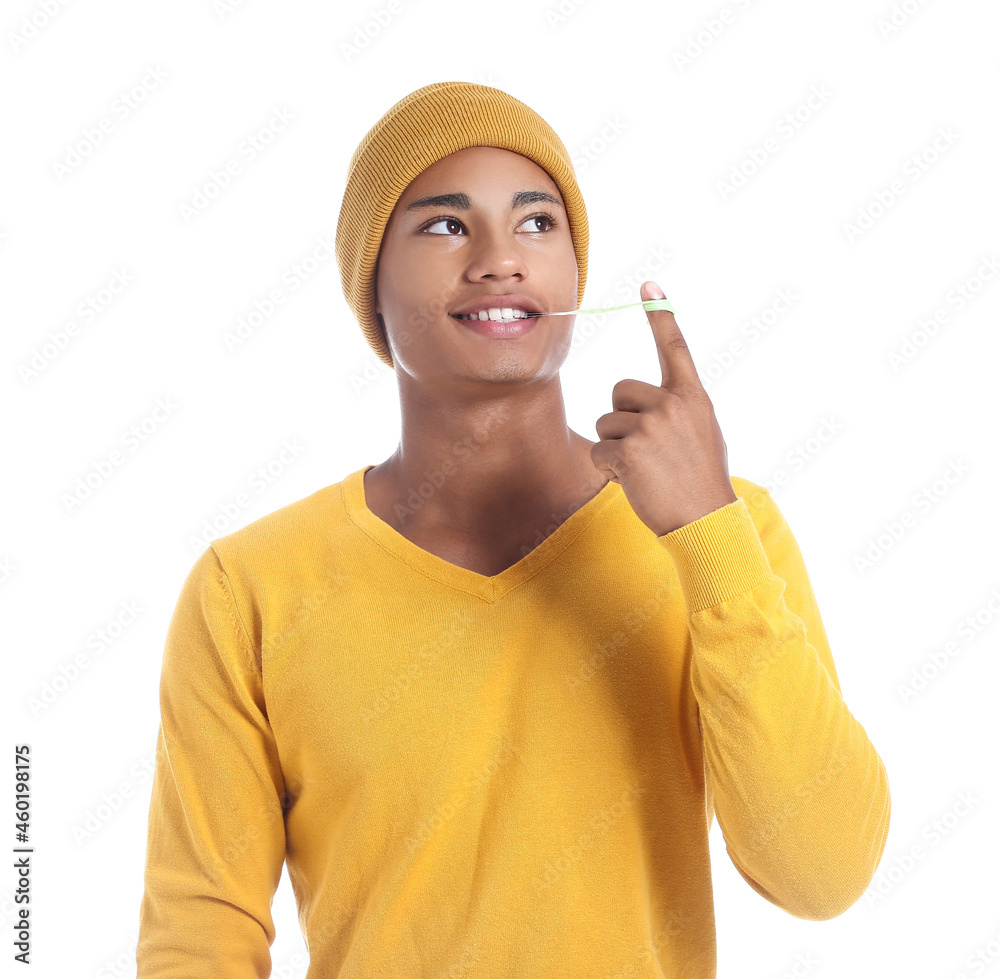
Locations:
{"points": [[438, 258]]}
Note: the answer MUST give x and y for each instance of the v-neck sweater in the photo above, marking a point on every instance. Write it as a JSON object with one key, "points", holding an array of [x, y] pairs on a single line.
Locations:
{"points": [[509, 775]]}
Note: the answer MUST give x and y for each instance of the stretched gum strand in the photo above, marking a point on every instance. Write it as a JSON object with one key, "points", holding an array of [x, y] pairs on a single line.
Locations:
{"points": [[649, 304]]}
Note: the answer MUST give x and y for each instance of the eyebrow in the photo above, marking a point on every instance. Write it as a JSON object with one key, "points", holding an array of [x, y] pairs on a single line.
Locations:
{"points": [[461, 202]]}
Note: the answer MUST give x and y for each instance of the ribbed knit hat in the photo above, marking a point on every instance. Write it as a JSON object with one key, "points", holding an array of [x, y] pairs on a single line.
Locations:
{"points": [[422, 128]]}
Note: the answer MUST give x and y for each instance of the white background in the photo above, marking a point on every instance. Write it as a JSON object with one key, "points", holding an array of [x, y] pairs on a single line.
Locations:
{"points": [[653, 140]]}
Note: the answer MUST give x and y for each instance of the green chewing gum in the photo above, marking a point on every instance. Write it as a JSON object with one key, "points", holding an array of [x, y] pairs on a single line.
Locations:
{"points": [[649, 304]]}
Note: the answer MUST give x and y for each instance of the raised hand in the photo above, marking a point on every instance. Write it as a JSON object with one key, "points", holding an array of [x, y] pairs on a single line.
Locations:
{"points": [[663, 445]]}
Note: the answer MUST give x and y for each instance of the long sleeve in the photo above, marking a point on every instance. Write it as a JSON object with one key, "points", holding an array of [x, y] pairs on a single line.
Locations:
{"points": [[216, 835], [801, 795]]}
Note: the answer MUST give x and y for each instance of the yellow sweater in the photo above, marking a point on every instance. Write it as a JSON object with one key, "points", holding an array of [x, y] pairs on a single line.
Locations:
{"points": [[505, 776]]}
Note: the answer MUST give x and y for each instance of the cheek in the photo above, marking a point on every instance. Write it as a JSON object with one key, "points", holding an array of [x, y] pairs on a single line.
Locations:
{"points": [[388, 275], [570, 278], [567, 261], [400, 271]]}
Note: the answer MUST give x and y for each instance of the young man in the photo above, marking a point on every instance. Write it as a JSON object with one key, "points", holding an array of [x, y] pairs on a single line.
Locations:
{"points": [[486, 697]]}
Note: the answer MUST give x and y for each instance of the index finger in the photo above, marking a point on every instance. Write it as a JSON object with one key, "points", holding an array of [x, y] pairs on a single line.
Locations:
{"points": [[676, 363]]}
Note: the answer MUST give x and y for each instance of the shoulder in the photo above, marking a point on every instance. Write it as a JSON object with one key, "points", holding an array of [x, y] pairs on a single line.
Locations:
{"points": [[305, 548], [293, 536]]}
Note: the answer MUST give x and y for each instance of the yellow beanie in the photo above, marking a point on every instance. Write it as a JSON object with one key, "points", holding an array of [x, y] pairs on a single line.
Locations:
{"points": [[422, 128]]}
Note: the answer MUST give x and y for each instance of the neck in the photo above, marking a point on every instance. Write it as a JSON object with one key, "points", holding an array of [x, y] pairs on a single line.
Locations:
{"points": [[484, 461]]}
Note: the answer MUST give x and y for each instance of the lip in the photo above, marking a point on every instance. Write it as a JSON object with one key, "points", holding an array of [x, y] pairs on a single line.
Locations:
{"points": [[516, 300], [500, 330]]}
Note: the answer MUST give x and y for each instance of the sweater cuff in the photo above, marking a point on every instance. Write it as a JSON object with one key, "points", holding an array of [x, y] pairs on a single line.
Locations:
{"points": [[717, 556]]}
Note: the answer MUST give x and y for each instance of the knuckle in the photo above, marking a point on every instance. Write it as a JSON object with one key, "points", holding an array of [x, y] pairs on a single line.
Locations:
{"points": [[620, 387], [674, 400]]}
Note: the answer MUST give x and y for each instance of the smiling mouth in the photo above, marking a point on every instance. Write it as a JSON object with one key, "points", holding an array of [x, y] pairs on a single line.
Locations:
{"points": [[505, 314]]}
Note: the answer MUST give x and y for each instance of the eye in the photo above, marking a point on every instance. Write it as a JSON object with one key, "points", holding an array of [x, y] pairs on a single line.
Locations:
{"points": [[453, 226], [547, 218], [445, 221]]}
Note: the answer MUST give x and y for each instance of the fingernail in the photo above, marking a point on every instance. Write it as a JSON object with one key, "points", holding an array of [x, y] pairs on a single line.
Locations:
{"points": [[655, 292]]}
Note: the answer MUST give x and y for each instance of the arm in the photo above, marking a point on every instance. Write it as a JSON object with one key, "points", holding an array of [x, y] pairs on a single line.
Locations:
{"points": [[216, 840], [801, 794]]}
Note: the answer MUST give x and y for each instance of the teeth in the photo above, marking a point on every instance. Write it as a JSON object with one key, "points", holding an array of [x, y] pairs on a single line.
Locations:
{"points": [[496, 313]]}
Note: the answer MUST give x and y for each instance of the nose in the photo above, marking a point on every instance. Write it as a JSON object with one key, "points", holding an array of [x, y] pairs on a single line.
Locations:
{"points": [[496, 255]]}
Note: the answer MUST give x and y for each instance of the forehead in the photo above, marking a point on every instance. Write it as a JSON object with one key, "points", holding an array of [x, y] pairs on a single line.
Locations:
{"points": [[480, 167]]}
